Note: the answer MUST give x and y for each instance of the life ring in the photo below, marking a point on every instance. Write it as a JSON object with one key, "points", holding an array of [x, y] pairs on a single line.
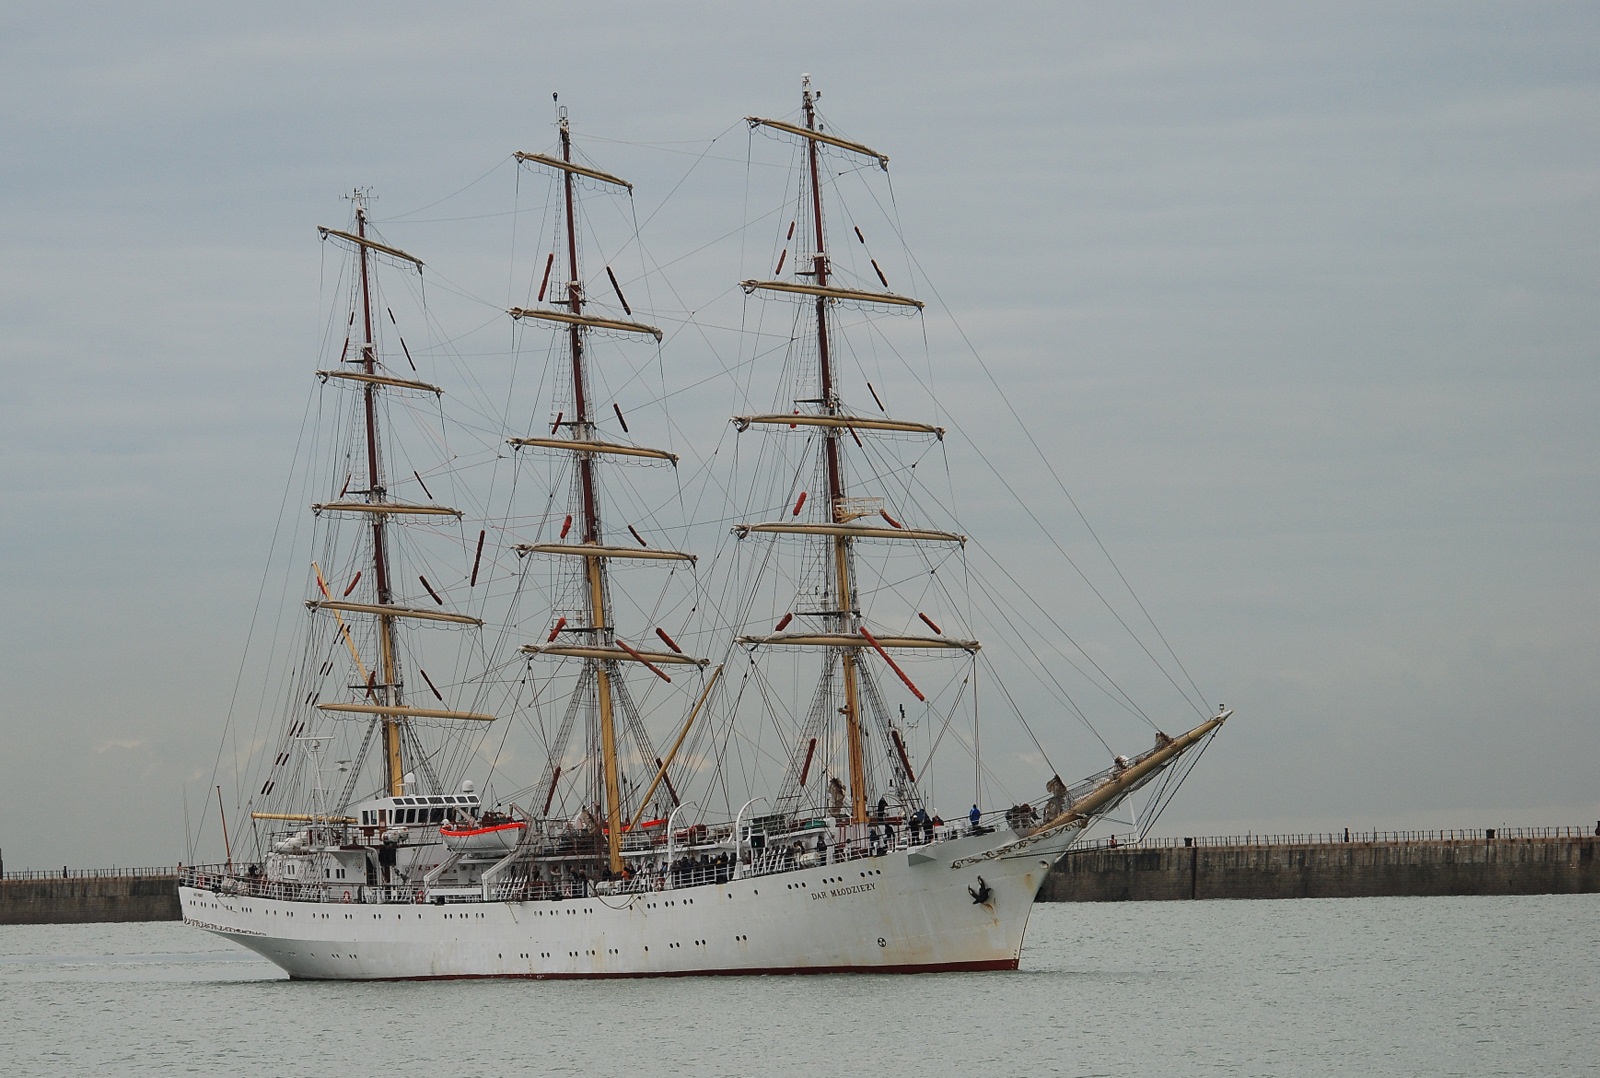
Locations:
{"points": [[421, 896], [347, 896]]}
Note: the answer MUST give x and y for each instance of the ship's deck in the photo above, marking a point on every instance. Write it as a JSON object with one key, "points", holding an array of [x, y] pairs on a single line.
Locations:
{"points": [[697, 867]]}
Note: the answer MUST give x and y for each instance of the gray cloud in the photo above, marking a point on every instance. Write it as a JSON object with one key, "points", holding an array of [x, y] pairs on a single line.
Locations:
{"points": [[1297, 301]]}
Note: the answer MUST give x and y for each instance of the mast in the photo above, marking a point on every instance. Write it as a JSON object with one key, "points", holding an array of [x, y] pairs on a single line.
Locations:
{"points": [[378, 694], [843, 593], [846, 630], [601, 649], [599, 621], [389, 688]]}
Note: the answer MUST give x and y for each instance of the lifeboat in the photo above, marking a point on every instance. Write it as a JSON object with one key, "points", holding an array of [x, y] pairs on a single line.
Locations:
{"points": [[496, 836]]}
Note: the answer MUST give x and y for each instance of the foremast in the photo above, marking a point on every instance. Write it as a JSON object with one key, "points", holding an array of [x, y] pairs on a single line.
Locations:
{"points": [[601, 650], [846, 633], [842, 590]]}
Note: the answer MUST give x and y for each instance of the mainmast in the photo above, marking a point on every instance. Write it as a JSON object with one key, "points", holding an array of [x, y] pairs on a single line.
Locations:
{"points": [[601, 650], [599, 610]]}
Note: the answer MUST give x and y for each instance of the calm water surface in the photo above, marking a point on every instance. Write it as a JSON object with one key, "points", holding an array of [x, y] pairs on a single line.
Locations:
{"points": [[1448, 986]]}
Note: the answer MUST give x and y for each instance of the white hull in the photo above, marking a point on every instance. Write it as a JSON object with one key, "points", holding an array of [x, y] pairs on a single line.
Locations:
{"points": [[899, 912]]}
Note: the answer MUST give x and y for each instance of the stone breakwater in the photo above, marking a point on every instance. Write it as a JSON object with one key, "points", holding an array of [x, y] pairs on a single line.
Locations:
{"points": [[83, 898], [1526, 861]]}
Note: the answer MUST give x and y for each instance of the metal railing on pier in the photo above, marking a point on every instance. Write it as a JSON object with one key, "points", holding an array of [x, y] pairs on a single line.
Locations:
{"points": [[1479, 834], [65, 873]]}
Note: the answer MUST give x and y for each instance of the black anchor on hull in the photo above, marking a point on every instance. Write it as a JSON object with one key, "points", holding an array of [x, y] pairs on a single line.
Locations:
{"points": [[980, 895]]}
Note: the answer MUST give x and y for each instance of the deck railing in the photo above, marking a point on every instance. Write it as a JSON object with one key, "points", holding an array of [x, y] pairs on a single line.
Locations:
{"points": [[218, 878], [774, 859]]}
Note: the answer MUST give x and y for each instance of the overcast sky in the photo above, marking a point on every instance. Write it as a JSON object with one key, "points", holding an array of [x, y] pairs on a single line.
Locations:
{"points": [[1300, 301]]}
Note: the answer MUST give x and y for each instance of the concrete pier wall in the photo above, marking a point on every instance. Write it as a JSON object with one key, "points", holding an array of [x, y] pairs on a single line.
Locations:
{"points": [[83, 899], [1211, 868], [1475, 866]]}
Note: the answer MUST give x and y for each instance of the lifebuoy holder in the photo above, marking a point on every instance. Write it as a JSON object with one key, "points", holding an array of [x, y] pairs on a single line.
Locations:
{"points": [[347, 896]]}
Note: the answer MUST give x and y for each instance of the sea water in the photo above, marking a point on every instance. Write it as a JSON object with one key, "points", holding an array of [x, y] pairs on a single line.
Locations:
{"points": [[1406, 986]]}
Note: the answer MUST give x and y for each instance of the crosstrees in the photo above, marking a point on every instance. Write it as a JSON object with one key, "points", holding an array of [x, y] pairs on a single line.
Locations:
{"points": [[851, 422], [825, 292], [810, 132]]}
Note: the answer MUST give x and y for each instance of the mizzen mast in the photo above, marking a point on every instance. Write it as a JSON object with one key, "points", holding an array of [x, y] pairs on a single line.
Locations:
{"points": [[384, 685], [388, 689]]}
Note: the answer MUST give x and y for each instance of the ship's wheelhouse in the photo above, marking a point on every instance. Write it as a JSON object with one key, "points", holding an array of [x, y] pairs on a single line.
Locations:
{"points": [[418, 811]]}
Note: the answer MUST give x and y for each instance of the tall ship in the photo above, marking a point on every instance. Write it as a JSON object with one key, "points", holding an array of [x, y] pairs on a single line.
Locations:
{"points": [[720, 772]]}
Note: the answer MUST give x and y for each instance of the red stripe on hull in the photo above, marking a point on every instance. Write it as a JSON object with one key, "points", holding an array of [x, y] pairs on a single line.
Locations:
{"points": [[986, 966]]}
